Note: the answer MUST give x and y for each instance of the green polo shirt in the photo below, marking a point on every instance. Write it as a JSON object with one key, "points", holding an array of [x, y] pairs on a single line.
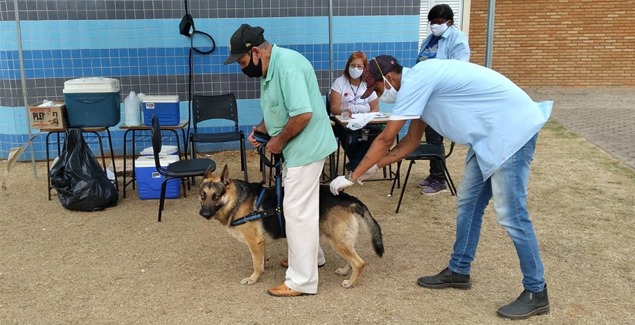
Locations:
{"points": [[290, 89]]}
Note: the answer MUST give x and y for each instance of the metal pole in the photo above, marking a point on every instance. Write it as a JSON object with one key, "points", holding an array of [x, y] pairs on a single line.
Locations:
{"points": [[23, 77], [330, 41], [489, 43]]}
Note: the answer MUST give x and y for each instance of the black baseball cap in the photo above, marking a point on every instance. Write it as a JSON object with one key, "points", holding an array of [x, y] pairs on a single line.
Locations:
{"points": [[243, 39], [377, 68]]}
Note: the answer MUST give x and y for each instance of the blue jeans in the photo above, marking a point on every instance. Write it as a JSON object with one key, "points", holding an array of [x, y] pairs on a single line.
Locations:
{"points": [[508, 189]]}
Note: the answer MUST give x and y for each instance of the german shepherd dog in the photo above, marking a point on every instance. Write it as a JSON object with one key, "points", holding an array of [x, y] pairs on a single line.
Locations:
{"points": [[226, 199]]}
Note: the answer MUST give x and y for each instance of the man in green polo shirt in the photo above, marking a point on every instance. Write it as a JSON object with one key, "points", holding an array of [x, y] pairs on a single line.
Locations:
{"points": [[295, 117]]}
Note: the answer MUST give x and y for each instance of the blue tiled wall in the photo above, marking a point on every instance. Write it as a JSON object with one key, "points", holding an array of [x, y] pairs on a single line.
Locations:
{"points": [[142, 48]]}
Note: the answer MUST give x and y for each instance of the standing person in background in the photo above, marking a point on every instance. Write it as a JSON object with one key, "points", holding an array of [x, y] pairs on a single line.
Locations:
{"points": [[445, 42], [348, 88], [295, 118]]}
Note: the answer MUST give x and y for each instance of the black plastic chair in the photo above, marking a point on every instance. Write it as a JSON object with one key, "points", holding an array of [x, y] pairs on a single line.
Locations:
{"points": [[223, 107], [426, 151], [181, 169]]}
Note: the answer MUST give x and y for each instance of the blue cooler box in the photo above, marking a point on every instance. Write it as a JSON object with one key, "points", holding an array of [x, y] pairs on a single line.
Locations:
{"points": [[149, 180], [92, 101], [165, 107]]}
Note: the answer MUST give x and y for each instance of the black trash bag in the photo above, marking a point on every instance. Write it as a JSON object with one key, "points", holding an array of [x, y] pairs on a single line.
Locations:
{"points": [[81, 183]]}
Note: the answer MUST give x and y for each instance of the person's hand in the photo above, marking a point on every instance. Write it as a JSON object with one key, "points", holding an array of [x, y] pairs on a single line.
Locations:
{"points": [[339, 183], [251, 138], [275, 145], [368, 174]]}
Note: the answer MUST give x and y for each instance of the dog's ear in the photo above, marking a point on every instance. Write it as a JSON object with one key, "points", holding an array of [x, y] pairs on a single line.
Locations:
{"points": [[225, 175], [208, 172]]}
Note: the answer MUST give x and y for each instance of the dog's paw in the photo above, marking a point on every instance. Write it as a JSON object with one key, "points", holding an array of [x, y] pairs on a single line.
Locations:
{"points": [[347, 284], [342, 271], [248, 281]]}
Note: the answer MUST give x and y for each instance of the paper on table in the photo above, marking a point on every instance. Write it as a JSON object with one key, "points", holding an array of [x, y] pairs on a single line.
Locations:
{"points": [[360, 120]]}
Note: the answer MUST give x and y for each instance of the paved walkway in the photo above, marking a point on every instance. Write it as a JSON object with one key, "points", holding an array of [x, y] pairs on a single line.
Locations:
{"points": [[605, 117]]}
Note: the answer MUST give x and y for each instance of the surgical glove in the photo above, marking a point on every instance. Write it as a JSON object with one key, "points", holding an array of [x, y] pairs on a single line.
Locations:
{"points": [[339, 183], [368, 174]]}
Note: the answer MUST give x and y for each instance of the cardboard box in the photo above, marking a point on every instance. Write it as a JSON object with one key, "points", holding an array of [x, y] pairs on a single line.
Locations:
{"points": [[48, 117]]}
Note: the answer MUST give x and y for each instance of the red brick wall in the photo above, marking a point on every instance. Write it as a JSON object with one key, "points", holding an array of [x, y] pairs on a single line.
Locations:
{"points": [[567, 43]]}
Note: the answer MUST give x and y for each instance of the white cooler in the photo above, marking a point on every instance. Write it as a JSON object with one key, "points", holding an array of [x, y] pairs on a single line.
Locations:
{"points": [[165, 150]]}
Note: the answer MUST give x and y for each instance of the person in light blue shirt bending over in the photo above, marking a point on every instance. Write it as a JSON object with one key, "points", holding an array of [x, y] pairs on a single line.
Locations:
{"points": [[482, 109], [445, 42]]}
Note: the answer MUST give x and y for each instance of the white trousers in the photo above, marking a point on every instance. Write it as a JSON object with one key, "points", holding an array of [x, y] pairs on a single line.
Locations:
{"points": [[302, 217]]}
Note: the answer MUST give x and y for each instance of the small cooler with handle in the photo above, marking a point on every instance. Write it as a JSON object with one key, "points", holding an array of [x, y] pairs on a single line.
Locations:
{"points": [[92, 102], [149, 180], [165, 107]]}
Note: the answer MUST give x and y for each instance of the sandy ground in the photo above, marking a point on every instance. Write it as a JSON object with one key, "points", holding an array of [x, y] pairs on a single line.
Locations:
{"points": [[120, 266]]}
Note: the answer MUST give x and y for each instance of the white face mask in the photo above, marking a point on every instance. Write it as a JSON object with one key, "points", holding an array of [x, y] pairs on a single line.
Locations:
{"points": [[355, 72], [438, 30], [389, 96]]}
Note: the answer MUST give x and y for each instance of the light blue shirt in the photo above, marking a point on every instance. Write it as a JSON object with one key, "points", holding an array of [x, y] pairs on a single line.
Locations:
{"points": [[452, 45], [289, 89], [471, 105]]}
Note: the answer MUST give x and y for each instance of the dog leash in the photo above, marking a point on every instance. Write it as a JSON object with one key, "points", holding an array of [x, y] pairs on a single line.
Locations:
{"points": [[260, 214], [263, 138]]}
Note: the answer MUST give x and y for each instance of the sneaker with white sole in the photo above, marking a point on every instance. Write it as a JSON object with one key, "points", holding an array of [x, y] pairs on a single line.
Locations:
{"points": [[435, 187]]}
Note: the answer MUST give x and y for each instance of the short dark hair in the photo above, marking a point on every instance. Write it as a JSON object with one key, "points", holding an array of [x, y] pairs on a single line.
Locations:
{"points": [[441, 11]]}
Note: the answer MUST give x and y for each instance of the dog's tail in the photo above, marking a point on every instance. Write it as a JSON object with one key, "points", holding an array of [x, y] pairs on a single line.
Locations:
{"points": [[373, 226]]}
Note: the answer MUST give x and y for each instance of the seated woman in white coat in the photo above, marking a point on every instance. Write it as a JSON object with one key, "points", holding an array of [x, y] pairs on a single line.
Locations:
{"points": [[348, 89]]}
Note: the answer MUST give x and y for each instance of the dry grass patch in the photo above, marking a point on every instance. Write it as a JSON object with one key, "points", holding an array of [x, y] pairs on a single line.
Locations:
{"points": [[121, 266]]}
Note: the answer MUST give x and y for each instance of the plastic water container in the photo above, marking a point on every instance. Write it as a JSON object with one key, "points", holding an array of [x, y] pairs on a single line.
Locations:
{"points": [[149, 179], [92, 102], [132, 110]]}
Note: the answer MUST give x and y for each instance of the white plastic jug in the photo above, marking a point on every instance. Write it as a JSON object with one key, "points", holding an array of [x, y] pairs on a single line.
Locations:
{"points": [[132, 113]]}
